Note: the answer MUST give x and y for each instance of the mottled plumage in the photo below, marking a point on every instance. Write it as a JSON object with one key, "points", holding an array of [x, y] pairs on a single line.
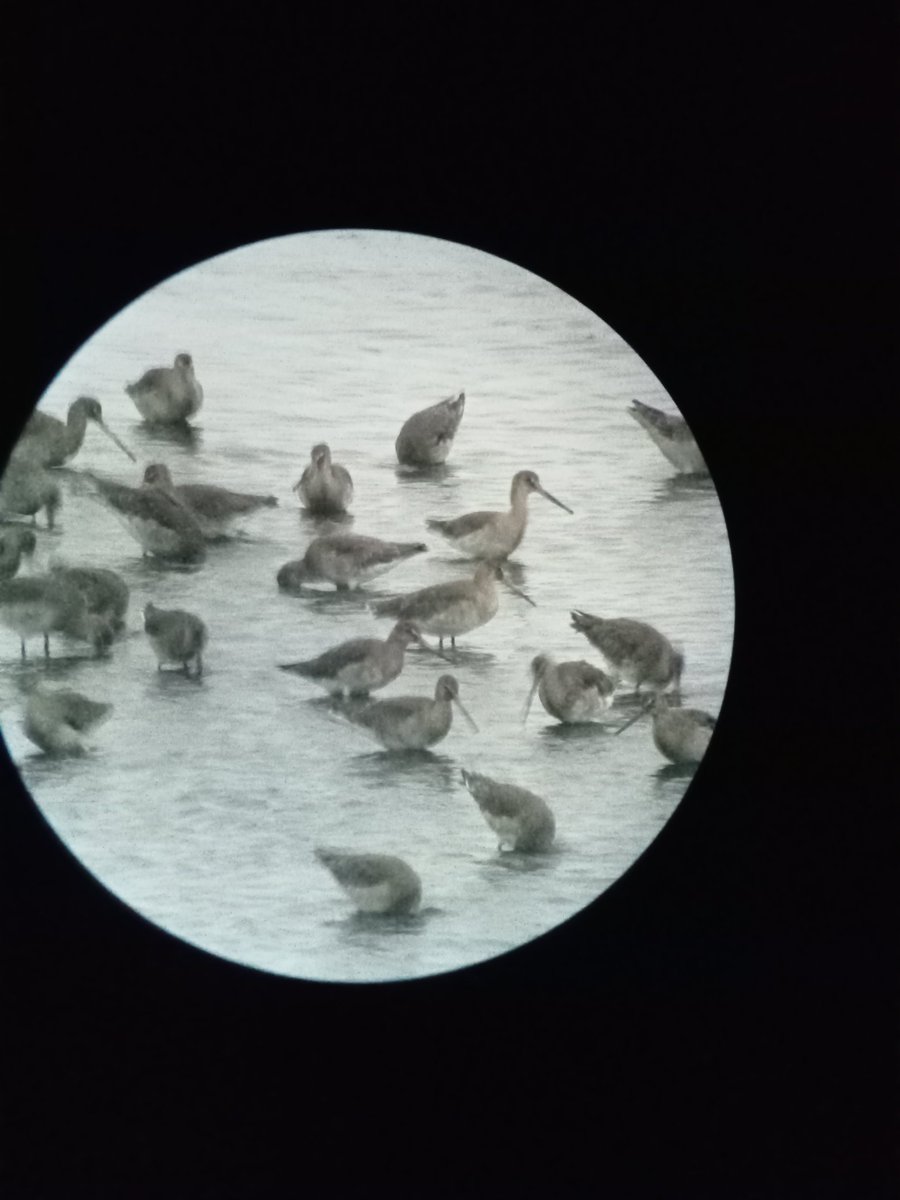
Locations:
{"points": [[26, 488], [454, 608], [673, 437], [494, 535], [522, 820], [14, 545], [636, 651], [105, 595], [214, 508], [57, 721], [412, 722], [161, 523], [325, 487], [376, 883], [570, 691], [48, 442], [680, 734], [176, 636], [167, 395], [45, 604], [426, 437], [346, 560], [361, 665]]}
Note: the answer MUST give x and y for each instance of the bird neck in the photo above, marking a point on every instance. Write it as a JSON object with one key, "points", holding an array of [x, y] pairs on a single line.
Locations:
{"points": [[76, 427]]}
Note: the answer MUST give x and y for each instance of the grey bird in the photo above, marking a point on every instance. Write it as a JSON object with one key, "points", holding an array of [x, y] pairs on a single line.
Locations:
{"points": [[361, 665], [522, 820], [572, 692], [214, 508], [176, 636], [45, 604], [495, 535], [426, 438], [680, 734], [376, 883], [325, 487], [167, 395], [636, 651], [15, 544], [48, 442], [346, 560], [454, 608], [58, 720], [106, 597], [162, 524], [26, 488], [412, 722], [672, 436]]}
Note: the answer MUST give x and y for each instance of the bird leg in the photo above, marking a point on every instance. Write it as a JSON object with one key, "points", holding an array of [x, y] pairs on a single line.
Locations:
{"points": [[199, 665], [22, 643], [46, 646]]}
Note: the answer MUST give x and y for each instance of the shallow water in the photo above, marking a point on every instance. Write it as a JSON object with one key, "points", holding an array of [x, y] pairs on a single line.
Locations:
{"points": [[204, 798]]}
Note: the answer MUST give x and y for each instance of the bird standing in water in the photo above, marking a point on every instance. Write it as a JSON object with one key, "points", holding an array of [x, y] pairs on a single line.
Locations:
{"points": [[360, 665], [412, 722], [672, 436], [168, 395], [48, 442], [376, 883], [176, 636], [680, 734], [426, 438], [522, 820], [346, 560], [571, 691], [213, 508], [56, 721], [636, 651], [325, 488], [495, 535]]}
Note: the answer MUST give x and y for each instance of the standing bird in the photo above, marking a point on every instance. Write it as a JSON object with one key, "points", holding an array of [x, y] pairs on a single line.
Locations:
{"points": [[106, 597], [158, 520], [680, 734], [48, 442], [412, 722], [361, 665], [325, 487], [167, 395], [57, 721], [495, 535], [176, 636], [214, 508], [376, 883], [637, 652], [26, 488], [14, 545], [346, 560], [522, 820], [450, 609], [672, 436], [571, 691], [45, 604], [426, 438]]}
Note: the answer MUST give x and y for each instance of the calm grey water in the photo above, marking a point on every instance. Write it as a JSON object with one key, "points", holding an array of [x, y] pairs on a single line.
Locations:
{"points": [[203, 800]]}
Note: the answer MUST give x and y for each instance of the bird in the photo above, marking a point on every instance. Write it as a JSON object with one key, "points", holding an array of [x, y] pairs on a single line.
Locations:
{"points": [[160, 522], [106, 597], [376, 883], [636, 651], [426, 438], [570, 691], [522, 820], [494, 535], [26, 488], [325, 487], [15, 544], [214, 508], [346, 560], [412, 722], [48, 442], [57, 720], [167, 395], [454, 608], [33, 604], [360, 665], [176, 636], [680, 734], [673, 437]]}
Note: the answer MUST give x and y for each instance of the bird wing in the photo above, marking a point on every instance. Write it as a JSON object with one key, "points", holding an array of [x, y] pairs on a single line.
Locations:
{"points": [[429, 601], [80, 712], [338, 657], [699, 717], [669, 426], [149, 381], [216, 502], [584, 674], [397, 708], [461, 526]]}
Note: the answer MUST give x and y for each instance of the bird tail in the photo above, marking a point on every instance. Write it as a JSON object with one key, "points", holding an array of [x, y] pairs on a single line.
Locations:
{"points": [[270, 501], [387, 608], [434, 524], [582, 621], [407, 549], [297, 668]]}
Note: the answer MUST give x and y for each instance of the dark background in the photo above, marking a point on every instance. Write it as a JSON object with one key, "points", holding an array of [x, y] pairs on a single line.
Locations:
{"points": [[723, 1021]]}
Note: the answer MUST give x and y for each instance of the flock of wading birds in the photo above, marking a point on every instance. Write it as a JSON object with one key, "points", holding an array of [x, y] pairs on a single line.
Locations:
{"points": [[175, 522]]}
